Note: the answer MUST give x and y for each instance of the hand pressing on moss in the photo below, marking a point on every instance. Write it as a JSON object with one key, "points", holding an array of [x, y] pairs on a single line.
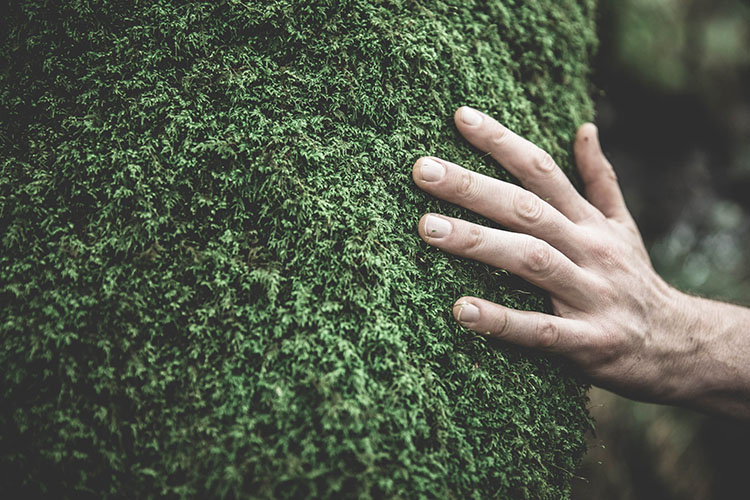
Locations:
{"points": [[614, 317]]}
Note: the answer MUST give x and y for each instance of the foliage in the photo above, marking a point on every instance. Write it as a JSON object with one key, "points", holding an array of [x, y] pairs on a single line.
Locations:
{"points": [[210, 274]]}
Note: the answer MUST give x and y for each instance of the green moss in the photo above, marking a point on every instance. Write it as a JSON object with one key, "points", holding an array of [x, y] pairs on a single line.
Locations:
{"points": [[210, 276]]}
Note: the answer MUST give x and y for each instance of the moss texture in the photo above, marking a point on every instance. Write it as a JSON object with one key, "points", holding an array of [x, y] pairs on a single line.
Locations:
{"points": [[210, 276]]}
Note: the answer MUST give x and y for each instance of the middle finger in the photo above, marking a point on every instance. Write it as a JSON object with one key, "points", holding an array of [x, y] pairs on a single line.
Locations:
{"points": [[502, 202], [533, 166]]}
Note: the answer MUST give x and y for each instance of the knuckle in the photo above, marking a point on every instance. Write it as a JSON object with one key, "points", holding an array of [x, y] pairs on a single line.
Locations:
{"points": [[543, 162], [609, 172], [538, 258], [474, 239], [605, 293], [599, 350], [605, 176], [606, 348], [499, 135], [605, 254], [586, 131], [468, 187], [529, 207], [501, 325], [548, 334]]}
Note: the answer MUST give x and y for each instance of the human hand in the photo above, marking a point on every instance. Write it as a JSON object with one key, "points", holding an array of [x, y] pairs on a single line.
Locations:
{"points": [[614, 317]]}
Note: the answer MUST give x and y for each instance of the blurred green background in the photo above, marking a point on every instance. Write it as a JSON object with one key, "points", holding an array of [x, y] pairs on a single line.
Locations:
{"points": [[673, 101]]}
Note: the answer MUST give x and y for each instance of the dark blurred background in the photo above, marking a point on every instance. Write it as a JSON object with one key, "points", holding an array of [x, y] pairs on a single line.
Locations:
{"points": [[673, 101]]}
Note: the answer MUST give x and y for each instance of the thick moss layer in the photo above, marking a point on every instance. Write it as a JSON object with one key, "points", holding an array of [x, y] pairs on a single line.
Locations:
{"points": [[210, 276]]}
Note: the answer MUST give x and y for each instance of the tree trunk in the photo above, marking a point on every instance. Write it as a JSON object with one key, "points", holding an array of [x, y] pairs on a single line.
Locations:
{"points": [[211, 278]]}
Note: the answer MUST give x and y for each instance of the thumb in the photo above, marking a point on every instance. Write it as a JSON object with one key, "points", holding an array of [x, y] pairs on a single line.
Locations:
{"points": [[598, 176]]}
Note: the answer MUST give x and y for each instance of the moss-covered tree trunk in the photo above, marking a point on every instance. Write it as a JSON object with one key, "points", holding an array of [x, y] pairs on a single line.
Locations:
{"points": [[210, 276]]}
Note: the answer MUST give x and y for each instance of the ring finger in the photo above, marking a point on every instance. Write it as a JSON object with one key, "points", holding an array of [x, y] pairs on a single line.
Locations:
{"points": [[534, 260]]}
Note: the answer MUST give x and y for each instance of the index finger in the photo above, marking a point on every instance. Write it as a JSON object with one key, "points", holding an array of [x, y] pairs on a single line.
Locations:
{"points": [[533, 166]]}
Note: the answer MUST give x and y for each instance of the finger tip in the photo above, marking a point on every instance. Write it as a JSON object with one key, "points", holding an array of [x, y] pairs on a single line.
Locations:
{"points": [[422, 228], [420, 225], [457, 115], [457, 310], [466, 116], [459, 306], [587, 143], [415, 174], [428, 179], [463, 300], [587, 132], [458, 121], [466, 311]]}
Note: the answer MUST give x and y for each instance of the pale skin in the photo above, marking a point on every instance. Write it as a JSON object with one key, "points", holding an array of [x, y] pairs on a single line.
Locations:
{"points": [[621, 324]]}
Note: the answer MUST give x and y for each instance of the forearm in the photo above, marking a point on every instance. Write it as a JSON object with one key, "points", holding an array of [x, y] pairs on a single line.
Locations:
{"points": [[715, 357]]}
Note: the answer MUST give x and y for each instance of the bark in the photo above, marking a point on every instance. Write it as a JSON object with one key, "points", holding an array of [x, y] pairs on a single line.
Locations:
{"points": [[210, 273]]}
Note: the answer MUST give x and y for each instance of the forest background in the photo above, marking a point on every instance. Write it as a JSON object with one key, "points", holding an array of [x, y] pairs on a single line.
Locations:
{"points": [[673, 106]]}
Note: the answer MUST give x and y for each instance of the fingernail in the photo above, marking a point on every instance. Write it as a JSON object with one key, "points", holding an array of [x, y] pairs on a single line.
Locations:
{"points": [[435, 227], [467, 313], [470, 116], [431, 170]]}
